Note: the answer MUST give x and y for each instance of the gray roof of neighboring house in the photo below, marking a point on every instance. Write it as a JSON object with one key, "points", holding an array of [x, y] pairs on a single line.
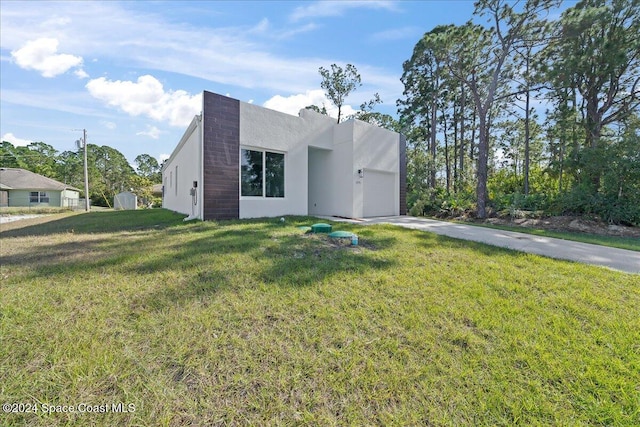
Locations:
{"points": [[21, 179]]}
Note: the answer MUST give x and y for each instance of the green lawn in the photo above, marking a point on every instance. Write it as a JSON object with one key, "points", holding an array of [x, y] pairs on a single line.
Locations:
{"points": [[255, 323]]}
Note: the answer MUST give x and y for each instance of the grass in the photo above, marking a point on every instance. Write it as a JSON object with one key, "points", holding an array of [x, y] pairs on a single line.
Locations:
{"points": [[629, 243], [254, 323]]}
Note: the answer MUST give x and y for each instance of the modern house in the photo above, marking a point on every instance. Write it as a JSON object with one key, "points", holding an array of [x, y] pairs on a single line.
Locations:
{"points": [[20, 187], [239, 160]]}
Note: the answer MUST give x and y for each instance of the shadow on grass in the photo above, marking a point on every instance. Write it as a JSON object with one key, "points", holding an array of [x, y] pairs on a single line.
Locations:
{"points": [[94, 222], [201, 259]]}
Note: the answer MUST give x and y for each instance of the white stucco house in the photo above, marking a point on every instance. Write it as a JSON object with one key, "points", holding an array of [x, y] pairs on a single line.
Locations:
{"points": [[239, 160]]}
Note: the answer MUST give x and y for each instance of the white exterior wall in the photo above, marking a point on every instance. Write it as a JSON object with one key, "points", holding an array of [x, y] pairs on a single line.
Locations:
{"points": [[342, 170], [187, 158], [336, 188], [264, 129], [322, 160], [376, 151], [320, 200]]}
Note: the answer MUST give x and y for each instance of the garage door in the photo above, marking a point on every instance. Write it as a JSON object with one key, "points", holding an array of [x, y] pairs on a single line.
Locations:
{"points": [[379, 194]]}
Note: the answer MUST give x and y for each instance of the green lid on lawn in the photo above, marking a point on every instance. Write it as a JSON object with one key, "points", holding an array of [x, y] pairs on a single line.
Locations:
{"points": [[321, 228], [341, 235]]}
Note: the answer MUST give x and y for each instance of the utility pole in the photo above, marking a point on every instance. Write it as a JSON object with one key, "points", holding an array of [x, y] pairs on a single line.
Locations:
{"points": [[83, 143]]}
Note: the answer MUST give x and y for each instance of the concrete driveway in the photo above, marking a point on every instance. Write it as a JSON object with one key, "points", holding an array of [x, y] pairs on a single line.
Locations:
{"points": [[617, 259]]}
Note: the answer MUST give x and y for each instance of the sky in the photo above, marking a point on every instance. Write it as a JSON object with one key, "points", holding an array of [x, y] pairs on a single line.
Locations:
{"points": [[132, 73]]}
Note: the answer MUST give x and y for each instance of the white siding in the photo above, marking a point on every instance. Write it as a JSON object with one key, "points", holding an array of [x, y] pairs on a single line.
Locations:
{"points": [[376, 152], [183, 167], [322, 160], [320, 191], [336, 187], [264, 129], [379, 193]]}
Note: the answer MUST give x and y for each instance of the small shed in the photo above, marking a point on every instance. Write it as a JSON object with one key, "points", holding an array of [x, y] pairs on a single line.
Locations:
{"points": [[125, 200]]}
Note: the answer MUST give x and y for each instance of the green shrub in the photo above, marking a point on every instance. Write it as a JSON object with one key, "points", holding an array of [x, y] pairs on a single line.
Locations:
{"points": [[435, 202], [580, 200], [518, 201]]}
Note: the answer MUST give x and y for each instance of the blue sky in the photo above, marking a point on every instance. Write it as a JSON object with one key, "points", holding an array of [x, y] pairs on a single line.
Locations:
{"points": [[132, 73]]}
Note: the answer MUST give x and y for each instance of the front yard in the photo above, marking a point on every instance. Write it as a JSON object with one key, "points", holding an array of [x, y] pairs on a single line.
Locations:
{"points": [[256, 323]]}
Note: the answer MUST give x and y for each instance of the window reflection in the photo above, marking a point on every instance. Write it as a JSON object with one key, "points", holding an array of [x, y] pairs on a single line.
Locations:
{"points": [[262, 173]]}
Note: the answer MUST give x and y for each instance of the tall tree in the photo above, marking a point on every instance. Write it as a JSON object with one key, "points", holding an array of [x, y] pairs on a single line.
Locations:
{"points": [[621, 176], [338, 83], [37, 157], [422, 78], [468, 59], [489, 53], [148, 167], [109, 173], [597, 53], [9, 158], [69, 168], [367, 114]]}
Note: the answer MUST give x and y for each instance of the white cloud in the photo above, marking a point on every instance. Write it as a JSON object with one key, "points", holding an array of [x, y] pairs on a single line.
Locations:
{"points": [[162, 157], [242, 56], [17, 142], [108, 125], [321, 9], [262, 26], [265, 29], [294, 103], [151, 132], [147, 97], [81, 74], [397, 34], [41, 55], [290, 32], [74, 102]]}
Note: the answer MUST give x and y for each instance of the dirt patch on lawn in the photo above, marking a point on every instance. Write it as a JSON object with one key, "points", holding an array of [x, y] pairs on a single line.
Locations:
{"points": [[4, 219], [339, 243], [567, 224]]}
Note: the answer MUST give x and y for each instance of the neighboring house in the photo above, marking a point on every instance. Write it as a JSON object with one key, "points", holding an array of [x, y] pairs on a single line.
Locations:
{"points": [[20, 187], [239, 160], [156, 190]]}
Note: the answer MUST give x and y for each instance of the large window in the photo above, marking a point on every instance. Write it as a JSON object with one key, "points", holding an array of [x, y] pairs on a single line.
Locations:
{"points": [[262, 173], [38, 197], [274, 174]]}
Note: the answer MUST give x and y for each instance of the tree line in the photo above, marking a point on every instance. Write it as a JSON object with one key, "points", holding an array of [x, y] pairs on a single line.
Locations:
{"points": [[475, 140], [109, 171]]}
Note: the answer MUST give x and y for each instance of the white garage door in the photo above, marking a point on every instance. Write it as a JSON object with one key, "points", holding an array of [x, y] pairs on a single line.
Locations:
{"points": [[379, 194]]}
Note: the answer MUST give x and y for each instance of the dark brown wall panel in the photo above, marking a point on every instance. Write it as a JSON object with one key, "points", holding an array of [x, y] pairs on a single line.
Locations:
{"points": [[403, 174], [221, 151]]}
